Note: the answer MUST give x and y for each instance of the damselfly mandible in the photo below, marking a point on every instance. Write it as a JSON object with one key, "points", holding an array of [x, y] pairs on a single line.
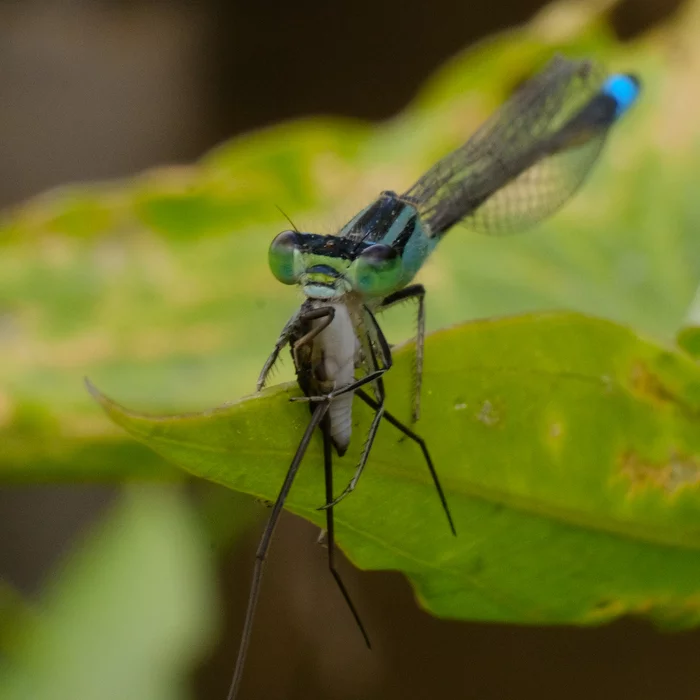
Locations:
{"points": [[518, 168]]}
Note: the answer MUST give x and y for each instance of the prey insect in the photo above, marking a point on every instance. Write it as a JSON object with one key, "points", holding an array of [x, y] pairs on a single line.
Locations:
{"points": [[518, 168]]}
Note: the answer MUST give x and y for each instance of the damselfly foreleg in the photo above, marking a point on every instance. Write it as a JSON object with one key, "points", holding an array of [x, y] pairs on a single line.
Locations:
{"points": [[264, 545], [299, 319], [283, 339], [417, 292], [330, 526]]}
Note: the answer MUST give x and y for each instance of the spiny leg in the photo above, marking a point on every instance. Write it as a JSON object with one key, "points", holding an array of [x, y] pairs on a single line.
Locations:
{"points": [[385, 353], [330, 526], [264, 545], [417, 292], [424, 448], [279, 344], [299, 318]]}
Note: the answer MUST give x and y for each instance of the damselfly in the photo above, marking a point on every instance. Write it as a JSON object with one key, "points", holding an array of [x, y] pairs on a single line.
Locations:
{"points": [[518, 168]]}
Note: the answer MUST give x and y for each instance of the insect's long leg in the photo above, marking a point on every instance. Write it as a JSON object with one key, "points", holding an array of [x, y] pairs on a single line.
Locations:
{"points": [[368, 378], [264, 545], [379, 409], [421, 443], [417, 292], [279, 344], [330, 527], [324, 312]]}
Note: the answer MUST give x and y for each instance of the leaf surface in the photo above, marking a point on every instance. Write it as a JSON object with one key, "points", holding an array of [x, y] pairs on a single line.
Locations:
{"points": [[568, 447]]}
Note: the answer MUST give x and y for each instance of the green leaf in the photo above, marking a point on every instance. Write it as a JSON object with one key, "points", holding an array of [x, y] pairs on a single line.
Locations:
{"points": [[569, 449], [126, 617]]}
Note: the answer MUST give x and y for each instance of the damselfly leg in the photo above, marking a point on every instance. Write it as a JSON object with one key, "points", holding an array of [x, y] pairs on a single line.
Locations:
{"points": [[300, 319], [353, 386], [361, 394], [413, 292], [279, 345], [377, 405]]}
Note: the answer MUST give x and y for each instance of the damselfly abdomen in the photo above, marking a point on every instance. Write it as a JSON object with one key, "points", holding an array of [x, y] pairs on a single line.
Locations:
{"points": [[518, 168]]}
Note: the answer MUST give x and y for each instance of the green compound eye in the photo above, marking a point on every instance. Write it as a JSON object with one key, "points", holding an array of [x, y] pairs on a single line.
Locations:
{"points": [[377, 271], [284, 257]]}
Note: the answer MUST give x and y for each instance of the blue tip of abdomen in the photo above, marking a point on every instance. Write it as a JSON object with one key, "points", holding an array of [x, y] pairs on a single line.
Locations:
{"points": [[624, 89]]}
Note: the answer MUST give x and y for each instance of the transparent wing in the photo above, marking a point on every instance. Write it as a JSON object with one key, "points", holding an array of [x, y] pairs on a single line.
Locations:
{"points": [[525, 161]]}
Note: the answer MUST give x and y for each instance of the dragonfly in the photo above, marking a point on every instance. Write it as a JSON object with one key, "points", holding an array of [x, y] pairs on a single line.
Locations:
{"points": [[519, 167]]}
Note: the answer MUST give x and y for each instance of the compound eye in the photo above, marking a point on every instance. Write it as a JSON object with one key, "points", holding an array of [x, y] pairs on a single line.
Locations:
{"points": [[284, 257], [377, 271]]}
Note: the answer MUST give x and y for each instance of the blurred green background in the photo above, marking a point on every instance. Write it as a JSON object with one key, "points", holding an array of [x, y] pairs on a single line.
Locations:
{"points": [[157, 288]]}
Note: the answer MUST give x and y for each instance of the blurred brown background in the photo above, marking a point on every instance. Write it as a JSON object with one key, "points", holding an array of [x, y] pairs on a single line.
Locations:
{"points": [[96, 90]]}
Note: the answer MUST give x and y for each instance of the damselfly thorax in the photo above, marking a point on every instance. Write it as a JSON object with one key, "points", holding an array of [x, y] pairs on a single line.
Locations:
{"points": [[518, 168]]}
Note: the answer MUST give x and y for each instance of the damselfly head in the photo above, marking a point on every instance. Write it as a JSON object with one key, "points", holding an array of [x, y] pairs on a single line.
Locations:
{"points": [[316, 263], [328, 267]]}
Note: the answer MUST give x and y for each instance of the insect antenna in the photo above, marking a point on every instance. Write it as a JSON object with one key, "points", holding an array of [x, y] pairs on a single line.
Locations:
{"points": [[291, 223]]}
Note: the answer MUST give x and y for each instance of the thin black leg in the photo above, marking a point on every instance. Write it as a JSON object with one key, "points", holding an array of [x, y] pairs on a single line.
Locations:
{"points": [[417, 292], [354, 386], [421, 443], [264, 546], [330, 527]]}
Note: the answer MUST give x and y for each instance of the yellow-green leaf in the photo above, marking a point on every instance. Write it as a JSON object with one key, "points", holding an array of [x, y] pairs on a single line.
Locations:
{"points": [[568, 447]]}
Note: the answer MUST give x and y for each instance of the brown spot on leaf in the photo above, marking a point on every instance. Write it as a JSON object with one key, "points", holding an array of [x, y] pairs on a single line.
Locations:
{"points": [[669, 476], [669, 612], [645, 382]]}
